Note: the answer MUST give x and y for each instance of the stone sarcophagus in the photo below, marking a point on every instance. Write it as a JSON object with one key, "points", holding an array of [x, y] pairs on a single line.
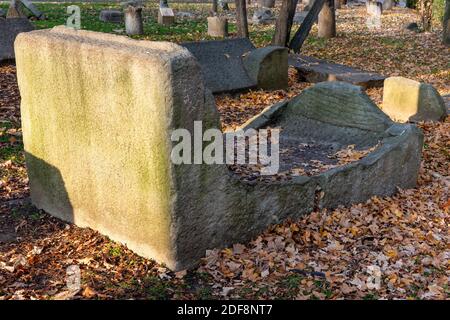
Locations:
{"points": [[98, 113]]}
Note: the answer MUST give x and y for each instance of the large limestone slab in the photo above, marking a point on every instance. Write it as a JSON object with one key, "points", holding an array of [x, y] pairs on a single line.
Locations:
{"points": [[316, 70], [9, 29], [222, 63], [408, 100], [93, 162], [97, 136]]}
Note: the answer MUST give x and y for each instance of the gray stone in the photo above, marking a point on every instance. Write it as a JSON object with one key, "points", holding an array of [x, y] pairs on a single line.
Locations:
{"points": [[408, 100], [2, 13], [263, 16], [266, 3], [113, 16], [299, 17], [268, 67], [315, 70], [218, 27], [9, 29], [388, 4], [412, 26], [185, 15], [447, 102], [167, 212], [221, 63]]}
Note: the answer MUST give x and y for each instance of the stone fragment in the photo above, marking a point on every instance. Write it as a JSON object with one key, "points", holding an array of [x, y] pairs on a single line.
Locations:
{"points": [[9, 29], [408, 100], [113, 16]]}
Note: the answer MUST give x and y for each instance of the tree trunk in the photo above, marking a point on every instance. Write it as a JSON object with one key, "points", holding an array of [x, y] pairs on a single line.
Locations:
{"points": [[327, 20], [241, 18], [214, 6], [426, 13], [283, 25], [133, 20], [303, 32], [446, 26]]}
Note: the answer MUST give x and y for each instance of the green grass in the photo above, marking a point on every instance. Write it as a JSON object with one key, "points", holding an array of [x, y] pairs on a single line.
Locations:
{"points": [[181, 30]]}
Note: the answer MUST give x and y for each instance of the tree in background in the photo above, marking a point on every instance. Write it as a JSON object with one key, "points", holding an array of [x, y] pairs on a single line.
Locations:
{"points": [[327, 20], [446, 24], [241, 18], [426, 13], [283, 25]]}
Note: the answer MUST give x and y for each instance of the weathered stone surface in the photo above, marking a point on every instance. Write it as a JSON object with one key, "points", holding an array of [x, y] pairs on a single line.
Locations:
{"points": [[114, 16], [166, 16], [263, 16], [299, 17], [9, 29], [268, 67], [221, 63], [218, 27], [408, 100], [2, 13], [342, 114], [85, 165], [315, 70], [447, 102], [266, 3], [412, 26]]}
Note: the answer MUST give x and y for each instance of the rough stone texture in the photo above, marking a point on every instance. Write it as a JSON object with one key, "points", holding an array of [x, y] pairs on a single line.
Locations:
{"points": [[9, 29], [299, 17], [166, 16], [266, 3], [268, 67], [342, 114], [87, 166], [133, 19], [315, 70], [447, 102], [218, 27], [408, 100], [263, 16], [412, 26], [113, 16], [221, 63], [388, 4]]}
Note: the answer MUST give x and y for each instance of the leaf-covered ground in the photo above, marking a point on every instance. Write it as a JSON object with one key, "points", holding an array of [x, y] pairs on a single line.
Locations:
{"points": [[331, 254]]}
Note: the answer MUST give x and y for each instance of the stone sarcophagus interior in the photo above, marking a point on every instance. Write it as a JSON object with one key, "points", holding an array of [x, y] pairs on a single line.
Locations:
{"points": [[98, 111]]}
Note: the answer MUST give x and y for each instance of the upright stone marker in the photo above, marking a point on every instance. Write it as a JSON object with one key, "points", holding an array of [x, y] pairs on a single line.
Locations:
{"points": [[166, 16], [218, 27], [133, 18]]}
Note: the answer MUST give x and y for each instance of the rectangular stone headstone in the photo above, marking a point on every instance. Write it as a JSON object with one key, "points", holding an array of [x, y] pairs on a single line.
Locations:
{"points": [[166, 16], [97, 137], [222, 63], [9, 29]]}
